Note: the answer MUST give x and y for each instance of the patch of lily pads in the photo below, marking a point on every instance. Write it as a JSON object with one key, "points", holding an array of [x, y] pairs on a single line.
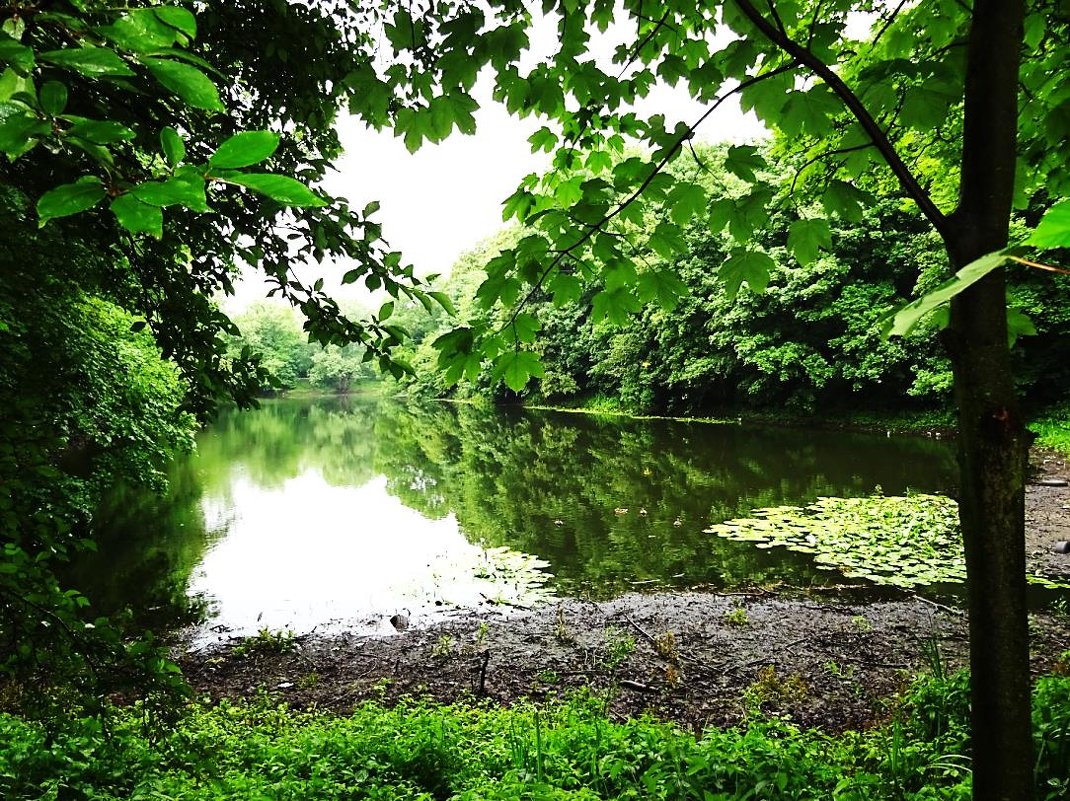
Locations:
{"points": [[892, 540], [901, 541]]}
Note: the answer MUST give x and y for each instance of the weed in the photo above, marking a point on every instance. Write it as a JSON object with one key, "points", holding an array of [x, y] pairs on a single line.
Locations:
{"points": [[481, 633], [1062, 664], [561, 631], [443, 648], [267, 641], [665, 645], [933, 655], [309, 680], [861, 624], [619, 646], [548, 677], [770, 688], [736, 617], [570, 750], [673, 677]]}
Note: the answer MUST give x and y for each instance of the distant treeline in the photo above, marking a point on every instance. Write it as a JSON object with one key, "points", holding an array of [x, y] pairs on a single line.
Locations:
{"points": [[809, 342], [289, 360]]}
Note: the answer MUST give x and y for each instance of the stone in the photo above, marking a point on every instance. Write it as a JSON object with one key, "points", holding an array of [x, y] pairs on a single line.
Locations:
{"points": [[1052, 482]]}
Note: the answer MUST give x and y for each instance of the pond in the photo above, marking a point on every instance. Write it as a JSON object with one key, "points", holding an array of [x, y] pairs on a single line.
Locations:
{"points": [[343, 512]]}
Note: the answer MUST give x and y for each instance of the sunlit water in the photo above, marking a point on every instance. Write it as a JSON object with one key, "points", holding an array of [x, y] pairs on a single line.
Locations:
{"points": [[341, 514]]}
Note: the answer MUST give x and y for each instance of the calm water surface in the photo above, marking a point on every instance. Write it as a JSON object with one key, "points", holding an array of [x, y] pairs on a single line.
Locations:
{"points": [[342, 512]]}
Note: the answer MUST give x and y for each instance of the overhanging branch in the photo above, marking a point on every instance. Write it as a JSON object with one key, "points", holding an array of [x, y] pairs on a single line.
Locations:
{"points": [[854, 105]]}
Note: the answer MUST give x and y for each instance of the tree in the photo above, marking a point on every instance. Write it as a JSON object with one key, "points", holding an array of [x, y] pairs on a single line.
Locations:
{"points": [[114, 141], [927, 101]]}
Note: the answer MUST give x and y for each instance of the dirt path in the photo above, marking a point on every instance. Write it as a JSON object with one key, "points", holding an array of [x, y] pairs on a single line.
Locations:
{"points": [[695, 658]]}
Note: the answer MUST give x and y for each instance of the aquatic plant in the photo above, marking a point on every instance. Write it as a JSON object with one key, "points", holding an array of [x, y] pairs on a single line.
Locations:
{"points": [[901, 541]]}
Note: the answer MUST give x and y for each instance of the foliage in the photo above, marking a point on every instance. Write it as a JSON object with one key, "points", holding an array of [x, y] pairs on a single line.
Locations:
{"points": [[274, 333], [338, 368], [901, 541], [567, 751], [1053, 429], [88, 400]]}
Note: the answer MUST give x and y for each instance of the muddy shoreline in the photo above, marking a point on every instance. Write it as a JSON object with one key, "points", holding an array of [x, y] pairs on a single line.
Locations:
{"points": [[697, 659]]}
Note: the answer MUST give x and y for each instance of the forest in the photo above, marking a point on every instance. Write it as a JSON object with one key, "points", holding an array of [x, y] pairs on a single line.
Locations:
{"points": [[891, 257]]}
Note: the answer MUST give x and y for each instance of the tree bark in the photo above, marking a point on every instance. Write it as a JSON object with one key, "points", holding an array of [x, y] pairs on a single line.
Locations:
{"points": [[993, 441]]}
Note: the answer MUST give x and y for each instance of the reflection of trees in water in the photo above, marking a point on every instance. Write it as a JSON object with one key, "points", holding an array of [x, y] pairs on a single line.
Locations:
{"points": [[568, 488], [150, 544], [606, 500], [282, 439]]}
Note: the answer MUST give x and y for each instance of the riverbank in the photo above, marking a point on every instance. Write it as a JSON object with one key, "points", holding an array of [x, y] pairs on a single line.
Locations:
{"points": [[695, 659], [692, 658]]}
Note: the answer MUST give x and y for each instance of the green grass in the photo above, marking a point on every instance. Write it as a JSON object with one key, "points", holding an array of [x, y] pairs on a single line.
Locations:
{"points": [[568, 751], [1052, 427]]}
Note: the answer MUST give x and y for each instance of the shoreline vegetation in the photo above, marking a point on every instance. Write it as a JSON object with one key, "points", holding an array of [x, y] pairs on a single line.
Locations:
{"points": [[1051, 425]]}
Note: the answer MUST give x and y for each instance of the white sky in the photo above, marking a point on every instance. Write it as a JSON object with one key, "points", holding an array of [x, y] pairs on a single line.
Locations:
{"points": [[444, 199]]}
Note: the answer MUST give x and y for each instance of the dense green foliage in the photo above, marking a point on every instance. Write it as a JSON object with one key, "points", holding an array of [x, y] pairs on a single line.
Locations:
{"points": [[273, 333], [810, 342], [568, 751]]}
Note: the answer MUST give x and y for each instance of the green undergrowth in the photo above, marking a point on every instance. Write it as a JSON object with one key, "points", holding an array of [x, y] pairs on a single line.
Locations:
{"points": [[1052, 428], [419, 750]]}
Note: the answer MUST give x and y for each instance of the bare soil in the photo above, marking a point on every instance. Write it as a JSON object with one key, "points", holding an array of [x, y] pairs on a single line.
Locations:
{"points": [[698, 659]]}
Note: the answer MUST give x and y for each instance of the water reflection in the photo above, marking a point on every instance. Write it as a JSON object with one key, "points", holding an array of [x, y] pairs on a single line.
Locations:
{"points": [[311, 511]]}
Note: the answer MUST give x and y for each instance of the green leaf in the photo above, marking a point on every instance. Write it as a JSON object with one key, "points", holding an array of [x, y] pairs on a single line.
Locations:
{"points": [[667, 240], [844, 200], [53, 97], [244, 150], [1054, 228], [185, 190], [100, 132], [93, 62], [516, 367], [685, 201], [444, 301], [174, 149], [178, 18], [565, 289], [903, 321], [188, 83], [525, 327], [386, 310], [20, 131], [661, 285], [615, 306], [744, 161], [70, 199], [751, 266], [1018, 325], [16, 54], [279, 188], [807, 237], [138, 217]]}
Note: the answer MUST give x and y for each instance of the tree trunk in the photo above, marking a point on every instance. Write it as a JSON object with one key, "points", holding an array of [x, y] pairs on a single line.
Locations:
{"points": [[993, 442], [993, 447]]}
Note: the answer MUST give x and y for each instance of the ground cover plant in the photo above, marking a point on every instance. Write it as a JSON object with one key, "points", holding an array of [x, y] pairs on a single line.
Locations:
{"points": [[571, 750]]}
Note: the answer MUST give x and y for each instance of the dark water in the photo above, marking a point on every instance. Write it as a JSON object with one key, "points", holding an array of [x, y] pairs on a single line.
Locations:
{"points": [[308, 512]]}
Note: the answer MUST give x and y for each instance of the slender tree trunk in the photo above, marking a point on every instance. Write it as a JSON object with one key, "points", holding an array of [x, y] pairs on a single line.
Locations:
{"points": [[993, 442]]}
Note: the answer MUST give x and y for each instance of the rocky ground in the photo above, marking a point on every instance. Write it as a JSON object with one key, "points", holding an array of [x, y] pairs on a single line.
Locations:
{"points": [[698, 659]]}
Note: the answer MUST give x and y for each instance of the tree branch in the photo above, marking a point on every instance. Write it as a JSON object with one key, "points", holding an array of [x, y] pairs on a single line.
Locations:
{"points": [[594, 228], [854, 105]]}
